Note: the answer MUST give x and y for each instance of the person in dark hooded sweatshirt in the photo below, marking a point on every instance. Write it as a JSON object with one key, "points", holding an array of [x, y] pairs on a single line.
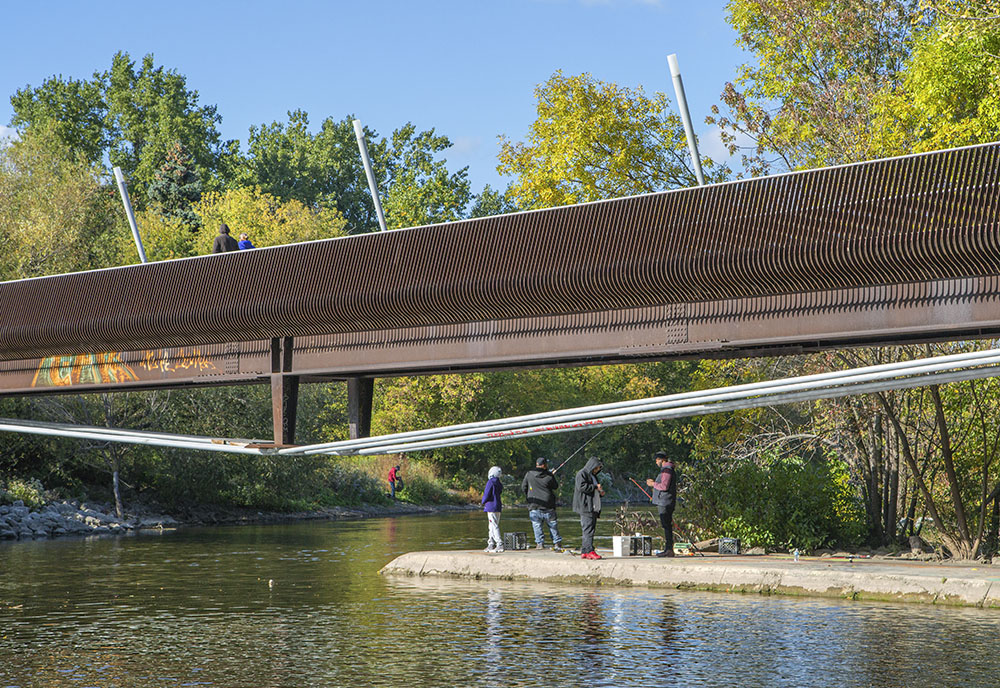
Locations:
{"points": [[539, 487], [587, 492], [223, 242]]}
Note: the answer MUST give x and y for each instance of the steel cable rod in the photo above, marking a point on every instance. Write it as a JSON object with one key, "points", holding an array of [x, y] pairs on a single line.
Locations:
{"points": [[923, 365], [123, 437], [697, 410]]}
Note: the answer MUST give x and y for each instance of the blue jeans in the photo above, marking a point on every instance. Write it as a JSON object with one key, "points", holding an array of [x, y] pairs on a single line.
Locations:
{"points": [[537, 516]]}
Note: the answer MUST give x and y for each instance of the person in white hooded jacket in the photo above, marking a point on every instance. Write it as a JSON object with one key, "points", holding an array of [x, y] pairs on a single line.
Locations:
{"points": [[493, 506]]}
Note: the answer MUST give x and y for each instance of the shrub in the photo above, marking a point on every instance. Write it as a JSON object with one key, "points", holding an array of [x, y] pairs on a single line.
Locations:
{"points": [[28, 491], [775, 502]]}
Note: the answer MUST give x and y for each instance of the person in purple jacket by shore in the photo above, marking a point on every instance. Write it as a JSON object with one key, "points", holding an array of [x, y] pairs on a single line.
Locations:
{"points": [[493, 506]]}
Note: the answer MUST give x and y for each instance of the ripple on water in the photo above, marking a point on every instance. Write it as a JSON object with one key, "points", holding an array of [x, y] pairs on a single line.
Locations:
{"points": [[303, 605]]}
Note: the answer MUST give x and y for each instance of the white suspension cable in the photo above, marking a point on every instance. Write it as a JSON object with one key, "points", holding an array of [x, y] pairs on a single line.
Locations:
{"points": [[552, 416], [577, 415], [695, 410], [898, 375], [124, 436]]}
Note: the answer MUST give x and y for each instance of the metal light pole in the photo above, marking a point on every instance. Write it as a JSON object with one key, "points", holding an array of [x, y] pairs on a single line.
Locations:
{"points": [[360, 133], [682, 105], [128, 212]]}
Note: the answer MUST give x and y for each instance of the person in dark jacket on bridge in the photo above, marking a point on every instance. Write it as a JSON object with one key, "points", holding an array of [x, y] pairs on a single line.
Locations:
{"points": [[587, 492], [665, 498], [223, 242], [539, 487]]}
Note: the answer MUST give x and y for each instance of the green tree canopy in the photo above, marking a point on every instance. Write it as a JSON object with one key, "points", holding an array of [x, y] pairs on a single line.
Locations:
{"points": [[324, 169], [129, 117]]}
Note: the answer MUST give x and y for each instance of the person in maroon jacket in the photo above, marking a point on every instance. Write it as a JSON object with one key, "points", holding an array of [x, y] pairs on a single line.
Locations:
{"points": [[393, 479], [665, 498]]}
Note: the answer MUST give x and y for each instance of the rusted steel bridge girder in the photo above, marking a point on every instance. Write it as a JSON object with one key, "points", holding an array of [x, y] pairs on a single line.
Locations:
{"points": [[890, 251]]}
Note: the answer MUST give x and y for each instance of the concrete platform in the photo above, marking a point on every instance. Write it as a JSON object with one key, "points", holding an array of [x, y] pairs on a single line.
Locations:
{"points": [[862, 579]]}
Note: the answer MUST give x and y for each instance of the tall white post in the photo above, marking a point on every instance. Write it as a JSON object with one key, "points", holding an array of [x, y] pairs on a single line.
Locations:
{"points": [[128, 212], [360, 133], [682, 105]]}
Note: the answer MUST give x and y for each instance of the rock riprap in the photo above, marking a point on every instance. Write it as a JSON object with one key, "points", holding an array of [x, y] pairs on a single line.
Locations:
{"points": [[19, 522]]}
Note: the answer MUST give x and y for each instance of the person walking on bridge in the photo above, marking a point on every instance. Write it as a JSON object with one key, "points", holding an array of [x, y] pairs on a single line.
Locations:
{"points": [[539, 487], [223, 242], [665, 498], [587, 492]]}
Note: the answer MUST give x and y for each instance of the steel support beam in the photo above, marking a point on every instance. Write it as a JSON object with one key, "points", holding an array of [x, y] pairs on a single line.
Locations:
{"points": [[284, 391], [360, 391]]}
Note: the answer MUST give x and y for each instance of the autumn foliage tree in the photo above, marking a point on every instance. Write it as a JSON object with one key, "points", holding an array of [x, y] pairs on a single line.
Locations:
{"points": [[593, 140]]}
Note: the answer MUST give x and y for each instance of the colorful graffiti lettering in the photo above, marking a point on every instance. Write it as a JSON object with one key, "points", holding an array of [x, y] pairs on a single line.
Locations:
{"points": [[82, 369], [185, 359], [109, 368]]}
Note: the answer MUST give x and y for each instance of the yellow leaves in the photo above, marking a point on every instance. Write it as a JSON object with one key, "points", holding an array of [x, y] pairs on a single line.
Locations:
{"points": [[266, 219], [593, 140]]}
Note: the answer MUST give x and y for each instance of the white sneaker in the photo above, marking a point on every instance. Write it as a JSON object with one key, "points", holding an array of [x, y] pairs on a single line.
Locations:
{"points": [[498, 550], [489, 550]]}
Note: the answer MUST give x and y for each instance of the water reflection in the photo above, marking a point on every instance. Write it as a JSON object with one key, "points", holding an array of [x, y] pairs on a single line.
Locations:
{"points": [[196, 608]]}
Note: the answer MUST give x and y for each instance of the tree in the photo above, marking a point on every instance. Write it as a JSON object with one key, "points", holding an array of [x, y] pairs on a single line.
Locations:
{"points": [[130, 118], [319, 170], [950, 92], [73, 110], [491, 202], [325, 170], [594, 140], [420, 189], [176, 187], [268, 220], [820, 68], [56, 215]]}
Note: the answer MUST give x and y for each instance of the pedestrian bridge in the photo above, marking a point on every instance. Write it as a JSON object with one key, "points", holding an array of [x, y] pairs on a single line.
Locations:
{"points": [[886, 252]]}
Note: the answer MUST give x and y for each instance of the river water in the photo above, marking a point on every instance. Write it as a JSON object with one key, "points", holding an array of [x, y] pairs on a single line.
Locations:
{"points": [[303, 605]]}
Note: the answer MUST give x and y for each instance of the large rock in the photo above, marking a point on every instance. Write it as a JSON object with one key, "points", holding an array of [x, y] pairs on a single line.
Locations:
{"points": [[19, 510], [156, 521]]}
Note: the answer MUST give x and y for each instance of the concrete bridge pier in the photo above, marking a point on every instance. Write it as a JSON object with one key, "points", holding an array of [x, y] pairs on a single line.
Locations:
{"points": [[284, 391], [359, 406]]}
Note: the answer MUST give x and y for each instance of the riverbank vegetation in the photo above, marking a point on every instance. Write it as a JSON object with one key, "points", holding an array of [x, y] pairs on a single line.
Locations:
{"points": [[826, 82]]}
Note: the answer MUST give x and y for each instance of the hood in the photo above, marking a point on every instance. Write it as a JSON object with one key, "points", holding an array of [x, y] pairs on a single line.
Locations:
{"points": [[223, 228], [592, 463], [495, 472]]}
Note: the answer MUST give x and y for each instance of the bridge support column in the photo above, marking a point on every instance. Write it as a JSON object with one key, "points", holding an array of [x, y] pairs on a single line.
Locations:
{"points": [[359, 406], [284, 391]]}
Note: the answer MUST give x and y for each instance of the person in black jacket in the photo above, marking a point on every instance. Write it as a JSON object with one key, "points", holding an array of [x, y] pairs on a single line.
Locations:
{"points": [[665, 498], [587, 502], [224, 242], [539, 487]]}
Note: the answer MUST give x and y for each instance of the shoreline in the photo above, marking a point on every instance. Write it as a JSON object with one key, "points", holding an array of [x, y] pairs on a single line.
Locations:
{"points": [[73, 518], [948, 584]]}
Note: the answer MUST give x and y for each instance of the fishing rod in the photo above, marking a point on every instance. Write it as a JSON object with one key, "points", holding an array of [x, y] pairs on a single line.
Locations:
{"points": [[579, 450], [641, 488]]}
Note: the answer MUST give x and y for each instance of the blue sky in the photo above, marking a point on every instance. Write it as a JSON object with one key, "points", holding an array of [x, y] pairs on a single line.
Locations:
{"points": [[468, 69]]}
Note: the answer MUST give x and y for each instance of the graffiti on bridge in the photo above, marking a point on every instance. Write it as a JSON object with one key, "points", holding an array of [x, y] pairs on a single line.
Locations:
{"points": [[109, 368]]}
